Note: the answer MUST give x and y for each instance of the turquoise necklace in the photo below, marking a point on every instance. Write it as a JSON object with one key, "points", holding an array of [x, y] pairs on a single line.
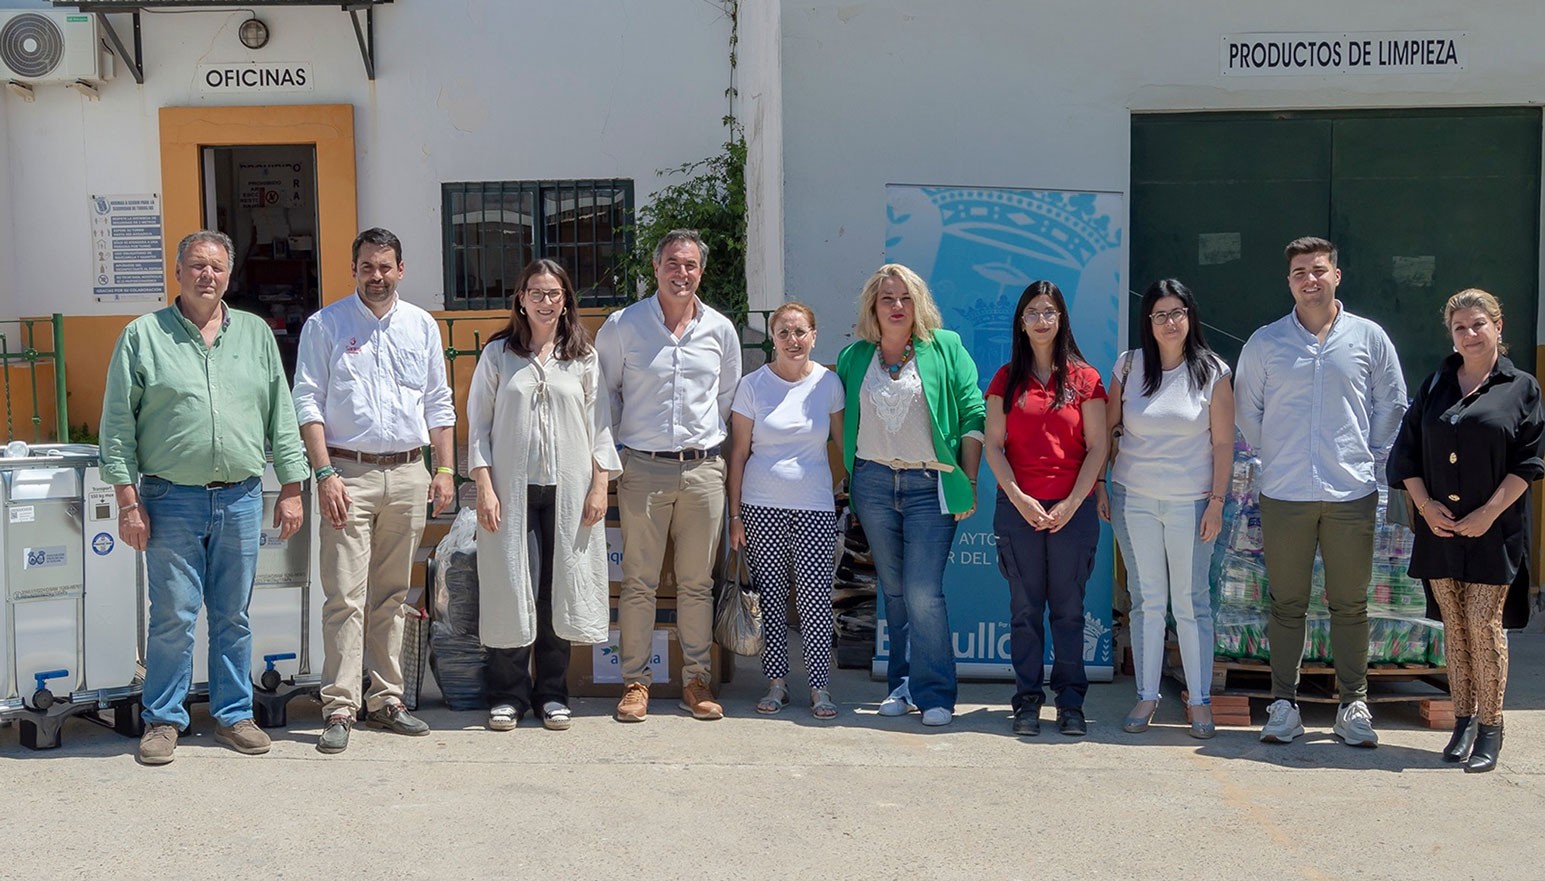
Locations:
{"points": [[894, 369]]}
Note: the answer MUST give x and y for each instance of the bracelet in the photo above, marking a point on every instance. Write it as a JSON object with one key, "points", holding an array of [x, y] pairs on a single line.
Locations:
{"points": [[325, 472], [445, 469], [124, 509], [1421, 510], [734, 517], [1099, 480], [1214, 497]]}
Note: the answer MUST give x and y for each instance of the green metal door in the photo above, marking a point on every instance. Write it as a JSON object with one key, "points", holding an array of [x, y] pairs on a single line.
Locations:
{"points": [[1422, 204]]}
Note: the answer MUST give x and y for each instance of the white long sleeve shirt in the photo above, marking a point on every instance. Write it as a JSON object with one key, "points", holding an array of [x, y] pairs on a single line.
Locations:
{"points": [[668, 394], [1322, 415], [376, 385]]}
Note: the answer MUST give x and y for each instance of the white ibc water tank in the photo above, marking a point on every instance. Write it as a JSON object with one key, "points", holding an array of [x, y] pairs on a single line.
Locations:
{"points": [[71, 593]]}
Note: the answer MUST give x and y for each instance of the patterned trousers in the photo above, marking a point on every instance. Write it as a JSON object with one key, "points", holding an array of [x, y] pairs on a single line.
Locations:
{"points": [[1477, 646], [787, 547]]}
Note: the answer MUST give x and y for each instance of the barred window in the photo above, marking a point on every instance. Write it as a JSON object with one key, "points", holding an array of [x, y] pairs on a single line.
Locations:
{"points": [[493, 229]]}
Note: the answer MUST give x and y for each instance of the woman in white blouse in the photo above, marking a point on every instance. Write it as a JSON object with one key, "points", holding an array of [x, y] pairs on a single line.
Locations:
{"points": [[541, 453], [782, 510], [1173, 405]]}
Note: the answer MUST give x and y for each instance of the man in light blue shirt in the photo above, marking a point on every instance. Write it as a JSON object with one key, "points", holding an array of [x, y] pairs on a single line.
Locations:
{"points": [[1320, 395]]}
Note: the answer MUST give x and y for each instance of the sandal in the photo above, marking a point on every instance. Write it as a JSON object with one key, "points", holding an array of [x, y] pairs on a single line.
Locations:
{"points": [[821, 705], [555, 716], [776, 699], [502, 718]]}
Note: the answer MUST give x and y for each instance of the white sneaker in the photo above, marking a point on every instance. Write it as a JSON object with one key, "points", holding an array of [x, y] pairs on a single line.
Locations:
{"points": [[899, 703], [1284, 723], [937, 716], [1354, 725]]}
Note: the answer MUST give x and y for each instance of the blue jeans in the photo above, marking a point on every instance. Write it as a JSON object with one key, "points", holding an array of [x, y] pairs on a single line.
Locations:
{"points": [[1167, 566], [203, 550], [1046, 571], [910, 540]]}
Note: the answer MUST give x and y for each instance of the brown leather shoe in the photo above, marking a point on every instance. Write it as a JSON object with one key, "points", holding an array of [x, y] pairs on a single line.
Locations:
{"points": [[634, 706], [244, 737], [157, 743], [697, 699]]}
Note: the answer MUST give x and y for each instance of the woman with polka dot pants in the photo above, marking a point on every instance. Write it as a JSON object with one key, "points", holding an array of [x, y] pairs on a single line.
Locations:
{"points": [[782, 511]]}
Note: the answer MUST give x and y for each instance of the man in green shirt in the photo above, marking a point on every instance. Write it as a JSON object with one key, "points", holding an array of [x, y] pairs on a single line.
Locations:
{"points": [[194, 393]]}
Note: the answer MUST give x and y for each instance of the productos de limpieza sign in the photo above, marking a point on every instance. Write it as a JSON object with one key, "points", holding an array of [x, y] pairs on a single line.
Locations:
{"points": [[1376, 52]]}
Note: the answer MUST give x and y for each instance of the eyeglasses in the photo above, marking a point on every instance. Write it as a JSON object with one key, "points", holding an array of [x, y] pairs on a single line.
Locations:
{"points": [[1050, 316], [787, 334], [537, 295], [892, 302], [1173, 316]]}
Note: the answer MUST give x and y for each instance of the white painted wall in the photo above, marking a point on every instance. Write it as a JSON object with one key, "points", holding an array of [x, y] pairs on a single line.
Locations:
{"points": [[761, 100], [1014, 94], [465, 90]]}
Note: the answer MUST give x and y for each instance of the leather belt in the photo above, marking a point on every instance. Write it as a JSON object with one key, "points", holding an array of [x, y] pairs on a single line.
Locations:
{"points": [[904, 465], [213, 484], [401, 458], [680, 455]]}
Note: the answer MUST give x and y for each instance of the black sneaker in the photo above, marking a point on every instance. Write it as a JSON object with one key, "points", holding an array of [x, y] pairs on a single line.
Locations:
{"points": [[1071, 722], [335, 736], [395, 717], [1027, 723]]}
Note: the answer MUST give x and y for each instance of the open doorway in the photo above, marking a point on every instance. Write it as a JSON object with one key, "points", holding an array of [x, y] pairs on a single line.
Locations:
{"points": [[265, 198]]}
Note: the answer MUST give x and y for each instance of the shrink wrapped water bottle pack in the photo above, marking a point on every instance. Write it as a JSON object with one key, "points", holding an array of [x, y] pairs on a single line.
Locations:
{"points": [[1241, 599]]}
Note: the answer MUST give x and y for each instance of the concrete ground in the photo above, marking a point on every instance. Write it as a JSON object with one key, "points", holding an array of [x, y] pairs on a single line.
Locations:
{"points": [[787, 797]]}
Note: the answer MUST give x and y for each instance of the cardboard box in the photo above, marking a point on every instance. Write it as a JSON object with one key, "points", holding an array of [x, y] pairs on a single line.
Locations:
{"points": [[434, 530], [418, 579], [614, 557], [596, 671]]}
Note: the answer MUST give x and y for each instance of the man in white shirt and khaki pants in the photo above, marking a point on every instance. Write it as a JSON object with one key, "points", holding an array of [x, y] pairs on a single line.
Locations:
{"points": [[670, 365], [370, 393]]}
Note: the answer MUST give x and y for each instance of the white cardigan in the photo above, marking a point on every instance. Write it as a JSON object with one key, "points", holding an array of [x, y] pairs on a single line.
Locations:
{"points": [[504, 411]]}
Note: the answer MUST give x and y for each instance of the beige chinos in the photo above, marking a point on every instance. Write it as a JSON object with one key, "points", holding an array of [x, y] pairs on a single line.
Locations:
{"points": [[365, 571], [662, 498]]}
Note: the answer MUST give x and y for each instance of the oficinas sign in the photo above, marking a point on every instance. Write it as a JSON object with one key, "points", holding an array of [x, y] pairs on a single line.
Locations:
{"points": [[255, 77]]}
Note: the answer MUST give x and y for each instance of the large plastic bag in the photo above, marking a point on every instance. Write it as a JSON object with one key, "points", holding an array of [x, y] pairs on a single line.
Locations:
{"points": [[456, 655]]}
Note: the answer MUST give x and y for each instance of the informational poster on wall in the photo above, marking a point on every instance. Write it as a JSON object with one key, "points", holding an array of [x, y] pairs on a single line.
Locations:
{"points": [[271, 184], [127, 258], [978, 249]]}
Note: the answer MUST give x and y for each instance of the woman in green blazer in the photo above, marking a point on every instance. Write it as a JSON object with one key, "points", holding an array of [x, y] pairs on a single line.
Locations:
{"points": [[912, 443]]}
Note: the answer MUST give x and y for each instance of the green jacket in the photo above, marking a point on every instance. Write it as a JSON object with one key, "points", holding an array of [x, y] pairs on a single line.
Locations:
{"points": [[955, 404]]}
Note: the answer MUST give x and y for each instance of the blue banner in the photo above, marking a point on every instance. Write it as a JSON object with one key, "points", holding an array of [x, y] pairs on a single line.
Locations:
{"points": [[978, 248]]}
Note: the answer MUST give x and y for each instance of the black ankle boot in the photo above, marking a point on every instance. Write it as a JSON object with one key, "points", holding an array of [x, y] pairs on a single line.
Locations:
{"points": [[1459, 745], [1488, 742]]}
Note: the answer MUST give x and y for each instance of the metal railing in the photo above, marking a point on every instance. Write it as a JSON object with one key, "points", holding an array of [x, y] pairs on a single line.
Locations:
{"points": [[754, 337], [19, 348]]}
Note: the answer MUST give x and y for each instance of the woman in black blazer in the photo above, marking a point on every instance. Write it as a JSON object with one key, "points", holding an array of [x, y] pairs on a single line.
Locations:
{"points": [[1467, 451]]}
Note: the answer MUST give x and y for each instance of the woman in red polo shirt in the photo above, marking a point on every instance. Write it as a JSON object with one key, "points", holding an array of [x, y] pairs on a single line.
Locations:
{"points": [[1046, 446]]}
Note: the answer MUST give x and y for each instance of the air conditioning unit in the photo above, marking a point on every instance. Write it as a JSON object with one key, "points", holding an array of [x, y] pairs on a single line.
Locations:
{"points": [[51, 46]]}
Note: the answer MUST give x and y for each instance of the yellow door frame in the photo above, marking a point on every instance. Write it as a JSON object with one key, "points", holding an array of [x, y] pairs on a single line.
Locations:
{"points": [[328, 127]]}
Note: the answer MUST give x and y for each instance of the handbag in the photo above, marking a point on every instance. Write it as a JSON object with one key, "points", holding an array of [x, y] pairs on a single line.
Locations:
{"points": [[1399, 509], [1115, 430], [738, 615]]}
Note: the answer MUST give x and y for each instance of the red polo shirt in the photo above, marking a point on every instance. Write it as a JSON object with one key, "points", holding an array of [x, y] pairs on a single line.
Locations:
{"points": [[1045, 445]]}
